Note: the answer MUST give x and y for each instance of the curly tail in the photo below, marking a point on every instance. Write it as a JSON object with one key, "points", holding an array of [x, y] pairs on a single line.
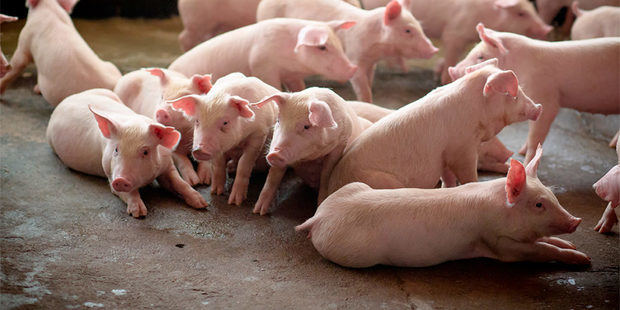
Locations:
{"points": [[307, 225]]}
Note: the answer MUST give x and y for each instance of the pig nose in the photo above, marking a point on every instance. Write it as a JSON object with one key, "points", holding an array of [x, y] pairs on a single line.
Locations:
{"points": [[121, 185], [535, 112], [352, 70], [276, 159], [162, 117], [200, 154], [573, 224], [452, 73]]}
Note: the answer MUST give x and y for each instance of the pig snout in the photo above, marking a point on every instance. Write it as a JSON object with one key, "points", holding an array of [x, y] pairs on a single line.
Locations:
{"points": [[351, 71], [534, 112], [540, 32], [454, 73], [121, 184], [200, 154], [163, 117], [572, 225], [277, 158], [429, 50]]}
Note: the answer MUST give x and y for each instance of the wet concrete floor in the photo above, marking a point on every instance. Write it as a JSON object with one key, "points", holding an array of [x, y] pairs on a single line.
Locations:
{"points": [[66, 241]]}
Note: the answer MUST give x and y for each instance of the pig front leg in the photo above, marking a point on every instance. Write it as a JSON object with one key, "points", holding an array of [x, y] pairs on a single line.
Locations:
{"points": [[204, 172], [614, 140], [172, 181], [268, 193], [361, 83], [608, 220], [295, 84], [539, 251], [328, 165], [218, 181], [454, 47], [466, 168], [244, 169], [539, 129], [135, 205], [448, 179], [186, 168], [21, 59]]}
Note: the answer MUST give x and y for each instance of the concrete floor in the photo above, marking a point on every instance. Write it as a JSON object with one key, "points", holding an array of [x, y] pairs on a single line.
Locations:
{"points": [[66, 241]]}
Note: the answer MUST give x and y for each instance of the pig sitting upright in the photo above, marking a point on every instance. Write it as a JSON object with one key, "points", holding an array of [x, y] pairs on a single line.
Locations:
{"points": [[608, 188], [278, 51], [146, 92], [4, 64], [314, 127], [65, 63], [601, 22], [226, 127], [415, 143], [556, 74], [95, 133], [381, 33], [509, 219]]}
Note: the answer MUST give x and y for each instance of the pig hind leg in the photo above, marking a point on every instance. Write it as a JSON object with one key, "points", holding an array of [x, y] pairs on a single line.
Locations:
{"points": [[21, 58], [608, 220]]}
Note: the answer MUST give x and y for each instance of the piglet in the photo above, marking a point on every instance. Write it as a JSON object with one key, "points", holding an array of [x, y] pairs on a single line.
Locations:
{"points": [[4, 64], [509, 219], [573, 78], [314, 127], [95, 133], [608, 188], [147, 91], [276, 51], [65, 63], [601, 22], [549, 9]]}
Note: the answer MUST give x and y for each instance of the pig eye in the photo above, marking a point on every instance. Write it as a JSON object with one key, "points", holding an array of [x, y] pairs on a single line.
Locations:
{"points": [[521, 14], [145, 152], [322, 47], [115, 151], [480, 57], [225, 123], [407, 31], [197, 123], [306, 127], [539, 205]]}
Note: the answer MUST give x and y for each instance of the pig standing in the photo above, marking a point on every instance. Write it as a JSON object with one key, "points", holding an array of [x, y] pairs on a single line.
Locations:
{"points": [[226, 126], [95, 133], [608, 188], [601, 22], [314, 127], [65, 63], [276, 51], [562, 74], [381, 33], [416, 145], [147, 91], [509, 219], [4, 64]]}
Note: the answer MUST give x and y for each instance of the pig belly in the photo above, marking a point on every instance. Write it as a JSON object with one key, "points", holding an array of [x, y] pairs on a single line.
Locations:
{"points": [[310, 171], [78, 148]]}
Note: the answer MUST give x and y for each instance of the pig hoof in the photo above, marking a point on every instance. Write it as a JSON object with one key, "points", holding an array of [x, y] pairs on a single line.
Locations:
{"points": [[523, 149], [607, 222], [217, 189], [190, 177], [137, 210], [204, 175], [236, 197], [196, 201]]}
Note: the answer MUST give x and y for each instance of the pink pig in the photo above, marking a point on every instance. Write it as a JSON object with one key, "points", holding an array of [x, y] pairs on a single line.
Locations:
{"points": [[509, 219], [381, 33], [146, 92], [598, 23], [276, 51], [314, 127], [95, 133], [608, 188], [226, 126], [551, 76], [4, 64], [417, 146], [549, 9], [65, 63]]}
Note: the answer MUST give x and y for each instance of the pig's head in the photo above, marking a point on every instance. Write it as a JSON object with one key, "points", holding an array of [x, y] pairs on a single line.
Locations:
{"points": [[548, 9], [136, 150], [532, 210], [67, 5], [218, 122], [519, 16], [403, 32], [320, 49], [306, 128]]}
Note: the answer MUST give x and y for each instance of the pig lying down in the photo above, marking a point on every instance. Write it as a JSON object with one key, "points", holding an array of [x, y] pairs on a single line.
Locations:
{"points": [[599, 23], [4, 64], [509, 219], [95, 133], [608, 188], [65, 63]]}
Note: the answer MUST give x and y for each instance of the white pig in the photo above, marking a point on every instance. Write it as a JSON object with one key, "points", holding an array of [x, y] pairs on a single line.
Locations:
{"points": [[608, 188], [226, 126], [509, 219], [278, 51], [381, 33], [601, 22], [314, 125], [147, 91], [417, 145], [65, 63], [4, 64], [95, 133], [556, 74]]}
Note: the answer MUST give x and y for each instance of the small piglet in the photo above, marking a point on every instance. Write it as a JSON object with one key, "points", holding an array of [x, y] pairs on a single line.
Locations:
{"points": [[509, 219], [384, 32], [4, 64], [556, 74], [277, 51], [608, 188], [147, 91], [65, 63], [549, 9], [601, 22], [417, 145], [314, 127], [226, 126], [95, 133]]}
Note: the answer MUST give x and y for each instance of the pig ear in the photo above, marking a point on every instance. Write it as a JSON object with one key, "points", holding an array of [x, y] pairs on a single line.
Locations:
{"points": [[504, 4], [321, 115], [392, 11], [341, 24], [242, 106], [67, 5], [532, 166], [311, 36], [279, 99], [32, 3], [515, 182], [158, 73], [186, 104], [107, 126], [202, 82], [502, 82], [168, 137], [488, 62], [575, 9], [490, 37]]}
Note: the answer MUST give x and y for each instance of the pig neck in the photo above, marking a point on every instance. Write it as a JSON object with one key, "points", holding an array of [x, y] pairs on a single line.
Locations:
{"points": [[363, 42]]}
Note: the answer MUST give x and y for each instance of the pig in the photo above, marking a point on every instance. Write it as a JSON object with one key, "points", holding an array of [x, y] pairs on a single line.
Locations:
{"points": [[277, 51], [549, 9], [385, 32], [551, 76], [608, 188], [601, 22], [313, 125], [4, 64], [95, 133], [416, 144], [510, 219], [147, 91], [225, 126], [78, 67]]}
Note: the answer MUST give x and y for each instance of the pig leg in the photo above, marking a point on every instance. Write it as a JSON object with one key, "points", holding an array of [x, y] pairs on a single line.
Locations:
{"points": [[294, 85], [560, 243], [361, 84], [540, 128], [328, 165], [261, 68], [466, 168], [268, 193], [614, 141], [448, 179], [218, 181], [244, 169], [608, 220], [186, 168], [21, 58], [512, 251], [135, 205], [204, 172], [454, 47], [172, 181], [36, 89]]}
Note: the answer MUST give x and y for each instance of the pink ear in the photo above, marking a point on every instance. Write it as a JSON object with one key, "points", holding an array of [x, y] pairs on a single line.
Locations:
{"points": [[532, 166], [515, 181], [311, 36], [168, 136], [186, 104], [341, 24], [157, 72], [279, 99], [106, 125], [502, 82], [488, 62], [490, 37], [392, 11], [202, 82], [67, 5], [242, 106], [505, 3], [32, 3], [321, 115]]}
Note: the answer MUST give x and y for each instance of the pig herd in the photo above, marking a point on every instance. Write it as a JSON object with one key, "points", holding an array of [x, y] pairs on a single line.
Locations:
{"points": [[219, 109]]}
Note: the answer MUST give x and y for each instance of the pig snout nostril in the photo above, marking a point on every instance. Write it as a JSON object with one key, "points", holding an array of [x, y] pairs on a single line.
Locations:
{"points": [[199, 154], [121, 185], [574, 223], [275, 159]]}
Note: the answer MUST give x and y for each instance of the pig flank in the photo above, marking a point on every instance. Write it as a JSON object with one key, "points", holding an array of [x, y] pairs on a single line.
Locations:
{"points": [[598, 23]]}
